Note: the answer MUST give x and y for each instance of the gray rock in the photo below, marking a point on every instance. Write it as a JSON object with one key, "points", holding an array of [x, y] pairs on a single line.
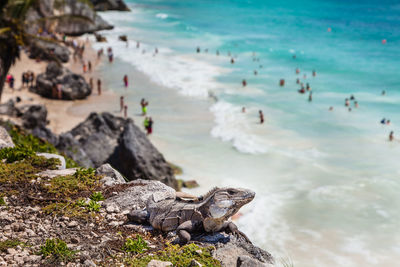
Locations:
{"points": [[71, 147], [48, 51], [111, 176], [104, 5], [73, 86], [9, 109], [135, 157], [246, 261], [108, 139], [137, 194], [54, 173], [228, 252], [34, 116], [5, 139], [74, 17], [51, 156], [156, 263]]}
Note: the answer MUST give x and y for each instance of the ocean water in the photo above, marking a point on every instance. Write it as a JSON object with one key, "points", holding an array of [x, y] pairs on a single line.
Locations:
{"points": [[327, 182]]}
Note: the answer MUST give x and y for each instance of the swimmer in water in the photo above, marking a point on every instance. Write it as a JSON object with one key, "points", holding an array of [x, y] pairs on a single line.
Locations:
{"points": [[261, 115], [297, 71], [314, 73], [391, 137], [255, 72], [243, 110], [310, 97], [244, 83], [346, 102], [298, 81], [383, 92], [232, 61], [198, 49], [388, 122], [355, 104], [330, 108], [383, 121], [352, 97]]}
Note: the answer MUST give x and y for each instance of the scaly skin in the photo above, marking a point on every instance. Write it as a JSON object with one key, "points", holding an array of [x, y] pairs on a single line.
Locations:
{"points": [[209, 213]]}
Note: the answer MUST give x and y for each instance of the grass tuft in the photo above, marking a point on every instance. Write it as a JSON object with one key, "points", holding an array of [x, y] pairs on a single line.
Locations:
{"points": [[137, 245], [57, 250], [97, 196], [9, 243]]}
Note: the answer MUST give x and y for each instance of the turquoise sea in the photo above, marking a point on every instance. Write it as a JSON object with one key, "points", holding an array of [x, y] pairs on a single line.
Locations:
{"points": [[327, 182]]}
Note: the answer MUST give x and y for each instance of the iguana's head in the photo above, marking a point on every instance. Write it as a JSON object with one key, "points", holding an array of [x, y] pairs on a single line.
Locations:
{"points": [[225, 202]]}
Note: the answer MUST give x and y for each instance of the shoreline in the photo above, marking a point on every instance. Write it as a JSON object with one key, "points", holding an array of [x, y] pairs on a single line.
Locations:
{"points": [[63, 115]]}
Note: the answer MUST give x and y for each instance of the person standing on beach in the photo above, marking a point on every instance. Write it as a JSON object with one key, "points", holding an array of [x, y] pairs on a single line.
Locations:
{"points": [[137, 44], [91, 83], [150, 126], [261, 115], [59, 91], [110, 55], [99, 86], [143, 104], [84, 67], [126, 81], [125, 111], [391, 137], [121, 103], [11, 82], [90, 66], [146, 123]]}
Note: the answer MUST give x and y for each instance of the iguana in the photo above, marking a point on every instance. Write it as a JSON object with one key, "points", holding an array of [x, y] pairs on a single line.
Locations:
{"points": [[210, 213]]}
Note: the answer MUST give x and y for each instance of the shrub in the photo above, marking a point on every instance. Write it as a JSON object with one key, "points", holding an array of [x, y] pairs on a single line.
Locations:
{"points": [[97, 196], [12, 154], [2, 201], [57, 250], [135, 245]]}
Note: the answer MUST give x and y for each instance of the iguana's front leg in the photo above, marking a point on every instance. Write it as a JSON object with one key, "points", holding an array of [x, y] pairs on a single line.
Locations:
{"points": [[230, 227], [183, 231]]}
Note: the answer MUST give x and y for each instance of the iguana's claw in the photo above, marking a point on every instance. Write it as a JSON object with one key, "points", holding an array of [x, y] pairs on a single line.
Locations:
{"points": [[238, 234]]}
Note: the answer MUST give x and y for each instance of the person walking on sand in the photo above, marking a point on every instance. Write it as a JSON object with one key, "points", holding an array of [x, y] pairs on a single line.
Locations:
{"points": [[99, 86], [261, 115], [150, 126], [126, 81], [90, 66], [11, 83], [121, 103], [125, 111], [59, 91], [146, 123], [84, 68], [91, 83], [110, 55], [391, 137]]}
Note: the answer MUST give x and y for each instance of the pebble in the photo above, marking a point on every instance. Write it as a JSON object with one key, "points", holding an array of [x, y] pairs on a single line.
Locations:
{"points": [[72, 224]]}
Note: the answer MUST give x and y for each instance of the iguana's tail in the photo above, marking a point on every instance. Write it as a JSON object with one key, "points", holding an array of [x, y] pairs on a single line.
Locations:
{"points": [[138, 216]]}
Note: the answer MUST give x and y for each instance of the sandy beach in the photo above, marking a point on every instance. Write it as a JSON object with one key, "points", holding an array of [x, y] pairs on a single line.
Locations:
{"points": [[63, 115]]}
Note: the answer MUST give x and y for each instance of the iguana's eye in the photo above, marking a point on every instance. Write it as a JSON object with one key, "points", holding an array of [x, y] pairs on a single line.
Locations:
{"points": [[231, 192]]}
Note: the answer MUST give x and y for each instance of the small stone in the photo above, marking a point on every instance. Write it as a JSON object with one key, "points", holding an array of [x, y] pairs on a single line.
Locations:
{"points": [[30, 233], [195, 263], [199, 252], [72, 224], [11, 251], [156, 263], [33, 258], [75, 240], [89, 263]]}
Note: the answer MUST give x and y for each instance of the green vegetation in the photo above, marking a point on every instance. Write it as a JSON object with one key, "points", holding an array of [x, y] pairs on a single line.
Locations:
{"points": [[2, 201], [57, 250], [31, 144], [93, 206], [97, 196], [12, 154], [137, 245], [9, 243], [82, 180], [175, 168], [178, 256]]}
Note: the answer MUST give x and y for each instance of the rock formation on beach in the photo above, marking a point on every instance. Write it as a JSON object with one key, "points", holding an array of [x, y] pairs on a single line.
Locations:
{"points": [[71, 17], [73, 86], [104, 5], [105, 138], [45, 50]]}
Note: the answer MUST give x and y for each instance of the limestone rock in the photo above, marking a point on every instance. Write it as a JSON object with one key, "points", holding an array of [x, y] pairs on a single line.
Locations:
{"points": [[5, 139], [48, 51], [34, 116], [50, 156], [54, 173], [137, 194], [73, 86], [105, 138], [156, 263], [246, 261], [104, 5], [111, 176], [9, 109], [74, 17]]}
